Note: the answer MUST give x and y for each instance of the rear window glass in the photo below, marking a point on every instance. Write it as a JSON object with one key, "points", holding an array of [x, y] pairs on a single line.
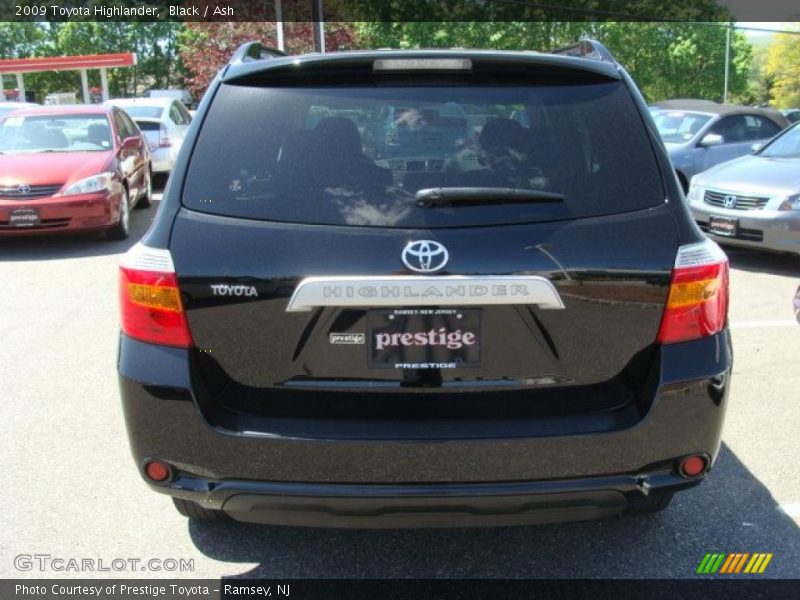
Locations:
{"points": [[152, 112], [357, 155], [677, 127], [149, 125]]}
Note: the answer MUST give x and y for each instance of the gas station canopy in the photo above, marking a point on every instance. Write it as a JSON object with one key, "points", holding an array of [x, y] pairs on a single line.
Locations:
{"points": [[18, 66]]}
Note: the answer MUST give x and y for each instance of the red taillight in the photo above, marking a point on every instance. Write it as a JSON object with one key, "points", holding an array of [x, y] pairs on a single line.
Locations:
{"points": [[164, 140], [697, 304], [150, 300]]}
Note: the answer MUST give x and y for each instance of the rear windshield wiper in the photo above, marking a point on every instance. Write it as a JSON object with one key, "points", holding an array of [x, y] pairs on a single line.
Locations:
{"points": [[470, 196]]}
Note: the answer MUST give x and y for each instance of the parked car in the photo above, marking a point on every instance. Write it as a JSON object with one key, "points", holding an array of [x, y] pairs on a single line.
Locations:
{"points": [[163, 121], [792, 114], [8, 107], [71, 168], [183, 96], [754, 200], [312, 336], [699, 134], [797, 304], [60, 98]]}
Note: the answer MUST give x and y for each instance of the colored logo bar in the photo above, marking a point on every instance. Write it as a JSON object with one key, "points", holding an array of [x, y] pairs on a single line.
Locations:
{"points": [[734, 563]]}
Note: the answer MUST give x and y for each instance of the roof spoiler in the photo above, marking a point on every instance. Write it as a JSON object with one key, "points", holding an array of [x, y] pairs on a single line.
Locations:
{"points": [[587, 48], [250, 51]]}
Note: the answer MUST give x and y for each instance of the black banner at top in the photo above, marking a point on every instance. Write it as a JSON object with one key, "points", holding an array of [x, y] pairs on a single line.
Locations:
{"points": [[399, 10]]}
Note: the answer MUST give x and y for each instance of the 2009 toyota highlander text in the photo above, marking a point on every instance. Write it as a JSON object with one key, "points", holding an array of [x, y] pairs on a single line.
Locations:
{"points": [[423, 288]]}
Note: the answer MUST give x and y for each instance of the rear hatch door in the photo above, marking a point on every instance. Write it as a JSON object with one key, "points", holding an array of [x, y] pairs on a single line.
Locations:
{"points": [[302, 255]]}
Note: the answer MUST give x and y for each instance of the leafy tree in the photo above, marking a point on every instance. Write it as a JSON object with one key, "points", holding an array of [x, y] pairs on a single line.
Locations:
{"points": [[666, 59], [759, 82], [783, 67], [154, 43], [206, 47], [19, 40], [678, 60]]}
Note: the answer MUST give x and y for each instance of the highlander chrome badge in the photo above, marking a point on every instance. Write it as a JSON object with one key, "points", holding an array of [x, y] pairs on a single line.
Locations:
{"points": [[420, 290], [729, 201], [425, 256]]}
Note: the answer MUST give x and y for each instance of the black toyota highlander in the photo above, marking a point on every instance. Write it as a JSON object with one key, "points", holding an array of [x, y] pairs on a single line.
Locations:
{"points": [[423, 288]]}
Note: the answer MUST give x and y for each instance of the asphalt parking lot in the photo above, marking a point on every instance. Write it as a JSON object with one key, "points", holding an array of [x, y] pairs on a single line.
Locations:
{"points": [[70, 489]]}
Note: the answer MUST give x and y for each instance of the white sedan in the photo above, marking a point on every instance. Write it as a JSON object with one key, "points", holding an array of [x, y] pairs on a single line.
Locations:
{"points": [[163, 122], [8, 107]]}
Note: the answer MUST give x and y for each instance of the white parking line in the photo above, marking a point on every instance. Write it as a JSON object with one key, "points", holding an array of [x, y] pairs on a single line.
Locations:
{"points": [[751, 324]]}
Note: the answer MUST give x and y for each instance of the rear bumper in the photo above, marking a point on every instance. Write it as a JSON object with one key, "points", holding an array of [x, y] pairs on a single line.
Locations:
{"points": [[439, 505], [520, 478], [162, 160]]}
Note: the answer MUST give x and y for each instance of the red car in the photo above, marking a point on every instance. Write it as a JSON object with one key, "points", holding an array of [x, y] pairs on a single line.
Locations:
{"points": [[71, 168]]}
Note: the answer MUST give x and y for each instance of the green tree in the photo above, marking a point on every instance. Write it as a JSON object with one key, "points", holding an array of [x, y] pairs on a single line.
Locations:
{"points": [[19, 40], [783, 67], [666, 59], [678, 60], [759, 82], [155, 45]]}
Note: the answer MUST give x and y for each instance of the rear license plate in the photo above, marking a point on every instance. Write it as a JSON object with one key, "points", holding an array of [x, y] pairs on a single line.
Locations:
{"points": [[24, 217], [723, 226], [443, 338]]}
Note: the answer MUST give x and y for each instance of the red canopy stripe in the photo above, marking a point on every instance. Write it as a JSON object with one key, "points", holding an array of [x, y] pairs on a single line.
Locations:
{"points": [[67, 63]]}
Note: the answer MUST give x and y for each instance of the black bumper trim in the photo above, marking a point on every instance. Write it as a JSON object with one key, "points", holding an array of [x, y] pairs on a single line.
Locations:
{"points": [[424, 505]]}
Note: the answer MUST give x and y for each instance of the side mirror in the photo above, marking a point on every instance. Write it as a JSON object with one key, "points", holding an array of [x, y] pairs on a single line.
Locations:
{"points": [[131, 143], [712, 139], [756, 147]]}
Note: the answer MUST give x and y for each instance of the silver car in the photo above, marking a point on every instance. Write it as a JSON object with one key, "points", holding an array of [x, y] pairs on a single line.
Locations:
{"points": [[163, 122], [700, 134], [754, 200], [797, 305]]}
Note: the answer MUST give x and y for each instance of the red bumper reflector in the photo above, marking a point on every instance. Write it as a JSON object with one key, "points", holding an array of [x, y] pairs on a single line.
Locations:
{"points": [[692, 466], [157, 471]]}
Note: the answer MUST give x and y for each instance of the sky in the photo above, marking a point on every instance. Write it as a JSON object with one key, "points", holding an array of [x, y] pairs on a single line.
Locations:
{"points": [[759, 24]]}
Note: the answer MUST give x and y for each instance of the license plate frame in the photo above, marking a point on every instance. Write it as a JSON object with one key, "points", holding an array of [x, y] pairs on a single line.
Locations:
{"points": [[24, 217], [723, 226], [462, 327]]}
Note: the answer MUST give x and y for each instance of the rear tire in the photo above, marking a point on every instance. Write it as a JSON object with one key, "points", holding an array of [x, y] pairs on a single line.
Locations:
{"points": [[193, 510], [650, 504], [121, 230]]}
